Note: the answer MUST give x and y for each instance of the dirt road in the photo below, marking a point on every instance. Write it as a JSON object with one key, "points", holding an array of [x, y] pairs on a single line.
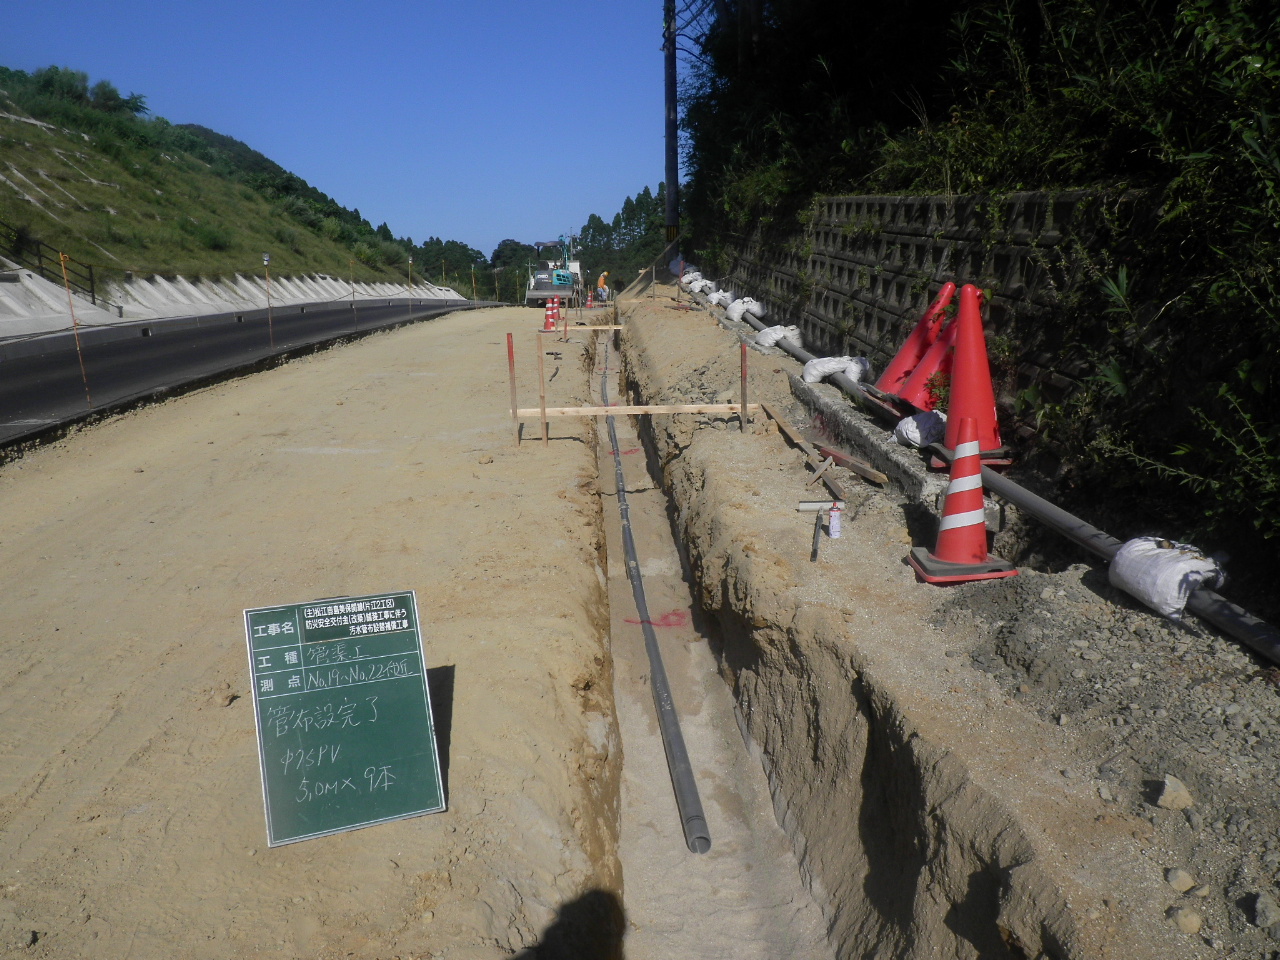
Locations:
{"points": [[131, 820]]}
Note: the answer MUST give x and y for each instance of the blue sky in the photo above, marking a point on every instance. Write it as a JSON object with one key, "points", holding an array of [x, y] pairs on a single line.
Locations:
{"points": [[471, 121]]}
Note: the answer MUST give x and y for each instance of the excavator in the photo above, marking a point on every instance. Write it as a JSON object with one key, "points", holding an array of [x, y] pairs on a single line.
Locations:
{"points": [[557, 275]]}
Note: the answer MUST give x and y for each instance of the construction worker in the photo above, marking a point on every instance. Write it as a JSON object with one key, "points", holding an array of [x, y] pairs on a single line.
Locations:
{"points": [[602, 287]]}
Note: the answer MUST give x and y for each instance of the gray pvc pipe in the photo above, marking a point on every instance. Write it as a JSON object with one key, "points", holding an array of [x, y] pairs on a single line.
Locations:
{"points": [[1258, 635], [688, 802]]}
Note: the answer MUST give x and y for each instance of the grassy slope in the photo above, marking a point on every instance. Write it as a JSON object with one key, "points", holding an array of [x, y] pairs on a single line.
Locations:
{"points": [[151, 213]]}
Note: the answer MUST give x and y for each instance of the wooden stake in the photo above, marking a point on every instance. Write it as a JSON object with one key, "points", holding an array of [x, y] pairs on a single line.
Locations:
{"points": [[860, 467], [542, 394], [511, 367], [811, 455], [742, 414], [818, 474]]}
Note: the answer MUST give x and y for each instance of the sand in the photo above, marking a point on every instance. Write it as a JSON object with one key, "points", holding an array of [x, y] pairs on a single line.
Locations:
{"points": [[131, 817]]}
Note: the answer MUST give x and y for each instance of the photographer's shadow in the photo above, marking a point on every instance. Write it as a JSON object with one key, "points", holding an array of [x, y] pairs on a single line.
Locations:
{"points": [[587, 928]]}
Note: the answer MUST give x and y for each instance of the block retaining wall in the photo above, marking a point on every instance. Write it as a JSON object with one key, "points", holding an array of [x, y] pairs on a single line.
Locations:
{"points": [[863, 270]]}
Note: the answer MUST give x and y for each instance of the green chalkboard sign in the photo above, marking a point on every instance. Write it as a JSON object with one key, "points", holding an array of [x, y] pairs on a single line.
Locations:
{"points": [[345, 734]]}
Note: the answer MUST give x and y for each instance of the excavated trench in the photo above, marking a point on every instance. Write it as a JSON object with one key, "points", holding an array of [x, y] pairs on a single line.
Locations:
{"points": [[741, 898], [926, 817], [872, 789]]}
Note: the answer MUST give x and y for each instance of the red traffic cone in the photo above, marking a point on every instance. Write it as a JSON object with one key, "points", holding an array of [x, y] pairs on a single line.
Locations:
{"points": [[937, 359], [918, 343], [591, 299], [549, 317], [971, 392], [961, 553]]}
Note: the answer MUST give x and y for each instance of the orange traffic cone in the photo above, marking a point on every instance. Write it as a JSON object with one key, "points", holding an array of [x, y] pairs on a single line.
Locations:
{"points": [[922, 338], [549, 317], [916, 389], [971, 392], [591, 300], [961, 553]]}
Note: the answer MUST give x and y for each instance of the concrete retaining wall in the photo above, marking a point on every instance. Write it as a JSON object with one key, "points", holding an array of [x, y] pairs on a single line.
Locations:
{"points": [[861, 272]]}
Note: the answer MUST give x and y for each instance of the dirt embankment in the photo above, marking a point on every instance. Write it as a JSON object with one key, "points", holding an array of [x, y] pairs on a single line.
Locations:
{"points": [[131, 819], [929, 809]]}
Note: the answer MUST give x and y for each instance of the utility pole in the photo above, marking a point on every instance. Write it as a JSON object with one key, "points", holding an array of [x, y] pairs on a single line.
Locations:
{"points": [[673, 144]]}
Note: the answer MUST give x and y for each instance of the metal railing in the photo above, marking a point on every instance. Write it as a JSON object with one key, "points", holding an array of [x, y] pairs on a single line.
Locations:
{"points": [[649, 275], [37, 256]]}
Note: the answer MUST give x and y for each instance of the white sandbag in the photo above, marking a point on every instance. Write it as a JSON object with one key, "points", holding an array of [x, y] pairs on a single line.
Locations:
{"points": [[721, 298], [735, 310], [922, 429], [755, 308], [691, 276], [855, 368], [858, 369], [700, 286], [770, 335], [820, 367], [792, 333], [1162, 573]]}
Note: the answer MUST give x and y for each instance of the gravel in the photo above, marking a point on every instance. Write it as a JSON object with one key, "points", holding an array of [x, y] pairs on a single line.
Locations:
{"points": [[1155, 706], [1146, 701]]}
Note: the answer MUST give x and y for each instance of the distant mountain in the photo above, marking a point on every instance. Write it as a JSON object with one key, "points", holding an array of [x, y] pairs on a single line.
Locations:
{"points": [[91, 173]]}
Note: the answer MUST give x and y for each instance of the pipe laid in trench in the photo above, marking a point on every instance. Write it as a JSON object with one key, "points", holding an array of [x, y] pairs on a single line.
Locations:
{"points": [[688, 802], [1258, 635]]}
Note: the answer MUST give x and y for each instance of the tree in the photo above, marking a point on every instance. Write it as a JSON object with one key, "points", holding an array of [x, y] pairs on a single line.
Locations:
{"points": [[512, 253], [62, 83], [634, 238]]}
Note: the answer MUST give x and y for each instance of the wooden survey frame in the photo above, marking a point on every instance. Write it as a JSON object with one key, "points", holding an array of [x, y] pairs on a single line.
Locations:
{"points": [[543, 412]]}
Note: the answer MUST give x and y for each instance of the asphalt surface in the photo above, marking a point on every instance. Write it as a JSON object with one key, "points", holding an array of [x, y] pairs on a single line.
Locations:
{"points": [[42, 386]]}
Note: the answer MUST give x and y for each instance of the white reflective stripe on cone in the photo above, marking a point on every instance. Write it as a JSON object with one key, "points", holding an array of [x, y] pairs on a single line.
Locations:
{"points": [[969, 449], [969, 518], [960, 484]]}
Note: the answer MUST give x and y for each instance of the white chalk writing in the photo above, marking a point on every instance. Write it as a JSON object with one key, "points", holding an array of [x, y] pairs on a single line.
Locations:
{"points": [[350, 713], [312, 757]]}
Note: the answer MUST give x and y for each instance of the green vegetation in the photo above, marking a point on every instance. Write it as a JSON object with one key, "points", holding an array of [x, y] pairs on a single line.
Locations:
{"points": [[623, 246], [510, 265], [629, 242], [1176, 98], [90, 173]]}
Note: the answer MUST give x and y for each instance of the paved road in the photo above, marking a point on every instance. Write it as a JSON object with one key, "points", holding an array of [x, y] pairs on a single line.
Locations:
{"points": [[41, 383]]}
